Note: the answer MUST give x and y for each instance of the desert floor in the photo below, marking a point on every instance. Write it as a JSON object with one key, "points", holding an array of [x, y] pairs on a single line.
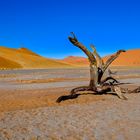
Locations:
{"points": [[28, 110]]}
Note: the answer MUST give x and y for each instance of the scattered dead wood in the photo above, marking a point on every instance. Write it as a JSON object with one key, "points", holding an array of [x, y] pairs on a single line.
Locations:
{"points": [[97, 85]]}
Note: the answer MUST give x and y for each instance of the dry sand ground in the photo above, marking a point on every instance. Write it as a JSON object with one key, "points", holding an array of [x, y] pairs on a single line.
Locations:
{"points": [[28, 110]]}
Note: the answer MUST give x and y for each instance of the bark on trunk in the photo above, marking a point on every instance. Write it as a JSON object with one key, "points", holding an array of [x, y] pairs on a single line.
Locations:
{"points": [[93, 77]]}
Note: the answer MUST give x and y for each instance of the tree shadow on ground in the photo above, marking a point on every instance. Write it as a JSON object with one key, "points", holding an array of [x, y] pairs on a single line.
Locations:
{"points": [[74, 96]]}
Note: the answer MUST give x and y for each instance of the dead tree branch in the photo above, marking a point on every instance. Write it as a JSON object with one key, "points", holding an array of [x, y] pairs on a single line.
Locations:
{"points": [[111, 59], [75, 42], [99, 60]]}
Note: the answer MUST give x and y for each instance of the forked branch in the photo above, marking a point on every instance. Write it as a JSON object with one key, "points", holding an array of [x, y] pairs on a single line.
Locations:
{"points": [[111, 59], [99, 60], [75, 42]]}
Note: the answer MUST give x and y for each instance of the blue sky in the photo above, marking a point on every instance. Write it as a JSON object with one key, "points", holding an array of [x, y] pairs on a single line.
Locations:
{"points": [[44, 25]]}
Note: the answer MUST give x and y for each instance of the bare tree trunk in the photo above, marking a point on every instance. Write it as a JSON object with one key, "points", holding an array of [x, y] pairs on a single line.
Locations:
{"points": [[93, 77]]}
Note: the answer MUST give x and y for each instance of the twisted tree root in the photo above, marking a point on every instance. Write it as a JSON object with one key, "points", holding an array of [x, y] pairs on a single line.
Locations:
{"points": [[119, 92], [137, 90], [73, 93], [109, 78], [99, 90]]}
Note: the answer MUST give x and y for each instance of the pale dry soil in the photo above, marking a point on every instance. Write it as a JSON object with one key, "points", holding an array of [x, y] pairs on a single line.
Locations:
{"points": [[28, 110]]}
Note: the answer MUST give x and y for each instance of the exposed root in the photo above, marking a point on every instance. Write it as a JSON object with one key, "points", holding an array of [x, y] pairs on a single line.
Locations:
{"points": [[104, 89], [73, 94], [81, 88], [127, 91], [119, 92], [109, 78], [137, 90]]}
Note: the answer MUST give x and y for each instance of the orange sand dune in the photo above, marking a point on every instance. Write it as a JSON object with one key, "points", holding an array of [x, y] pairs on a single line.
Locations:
{"points": [[24, 58], [5, 63], [27, 51], [129, 58], [76, 60]]}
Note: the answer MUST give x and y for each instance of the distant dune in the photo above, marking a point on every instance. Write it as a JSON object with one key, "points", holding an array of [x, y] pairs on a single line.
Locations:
{"points": [[76, 60], [129, 58], [24, 58], [5, 63], [27, 51]]}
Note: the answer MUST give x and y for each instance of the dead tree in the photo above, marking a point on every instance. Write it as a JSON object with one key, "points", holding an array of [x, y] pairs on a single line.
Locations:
{"points": [[97, 84]]}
